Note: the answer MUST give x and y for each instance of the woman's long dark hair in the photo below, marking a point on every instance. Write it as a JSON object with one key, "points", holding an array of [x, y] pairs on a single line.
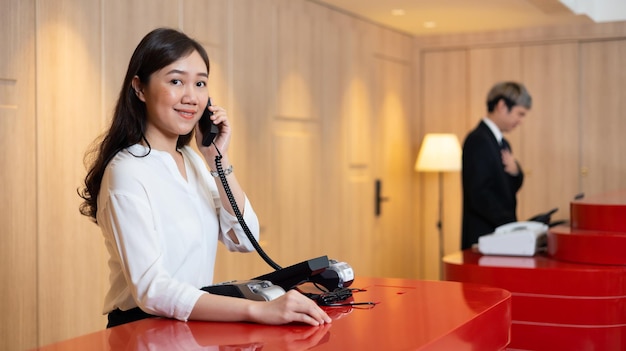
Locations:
{"points": [[156, 50]]}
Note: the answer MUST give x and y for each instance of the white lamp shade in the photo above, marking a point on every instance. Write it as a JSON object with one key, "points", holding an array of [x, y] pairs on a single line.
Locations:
{"points": [[440, 152]]}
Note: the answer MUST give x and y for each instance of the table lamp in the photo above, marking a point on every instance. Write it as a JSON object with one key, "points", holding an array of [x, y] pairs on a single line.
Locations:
{"points": [[440, 152]]}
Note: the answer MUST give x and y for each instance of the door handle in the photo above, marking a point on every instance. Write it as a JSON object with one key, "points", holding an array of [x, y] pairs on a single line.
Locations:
{"points": [[379, 199]]}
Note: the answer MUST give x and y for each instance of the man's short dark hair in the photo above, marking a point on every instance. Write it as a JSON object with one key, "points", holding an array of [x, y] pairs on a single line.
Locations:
{"points": [[512, 93]]}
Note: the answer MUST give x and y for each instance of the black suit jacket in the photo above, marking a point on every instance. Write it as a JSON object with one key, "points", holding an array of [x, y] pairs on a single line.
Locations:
{"points": [[489, 193]]}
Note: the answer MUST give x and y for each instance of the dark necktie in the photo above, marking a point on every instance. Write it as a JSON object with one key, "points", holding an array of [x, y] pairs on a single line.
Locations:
{"points": [[504, 145]]}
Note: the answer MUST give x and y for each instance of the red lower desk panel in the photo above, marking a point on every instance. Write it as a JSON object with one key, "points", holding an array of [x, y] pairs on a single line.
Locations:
{"points": [[576, 310], [411, 315], [555, 337], [555, 304]]}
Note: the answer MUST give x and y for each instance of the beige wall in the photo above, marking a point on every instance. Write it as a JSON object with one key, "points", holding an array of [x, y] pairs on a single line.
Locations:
{"points": [[323, 104]]}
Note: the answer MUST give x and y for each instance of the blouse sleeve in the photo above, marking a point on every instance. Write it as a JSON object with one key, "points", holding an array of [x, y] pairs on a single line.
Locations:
{"points": [[228, 222], [128, 219]]}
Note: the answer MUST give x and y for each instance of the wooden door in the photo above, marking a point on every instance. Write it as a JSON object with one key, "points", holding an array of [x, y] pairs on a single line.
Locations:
{"points": [[395, 239], [549, 136]]}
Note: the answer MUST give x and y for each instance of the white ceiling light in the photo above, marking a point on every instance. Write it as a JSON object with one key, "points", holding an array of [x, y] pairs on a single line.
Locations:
{"points": [[598, 10]]}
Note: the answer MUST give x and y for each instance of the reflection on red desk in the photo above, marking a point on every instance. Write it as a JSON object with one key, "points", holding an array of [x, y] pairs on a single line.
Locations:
{"points": [[411, 315], [557, 305]]}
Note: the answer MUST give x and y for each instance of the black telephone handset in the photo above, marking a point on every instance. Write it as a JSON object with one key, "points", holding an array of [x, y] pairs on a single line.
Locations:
{"points": [[208, 128]]}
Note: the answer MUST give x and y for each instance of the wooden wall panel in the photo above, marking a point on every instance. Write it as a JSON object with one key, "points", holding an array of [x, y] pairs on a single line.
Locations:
{"points": [[359, 100], [18, 186], [295, 57], [549, 151], [72, 277], [444, 93], [295, 163], [294, 170], [209, 22], [603, 101], [336, 95], [391, 44], [488, 66], [251, 62], [124, 23]]}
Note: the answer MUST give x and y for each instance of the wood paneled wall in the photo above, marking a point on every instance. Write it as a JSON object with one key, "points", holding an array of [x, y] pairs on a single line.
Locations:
{"points": [[18, 179], [321, 107], [547, 140], [71, 269]]}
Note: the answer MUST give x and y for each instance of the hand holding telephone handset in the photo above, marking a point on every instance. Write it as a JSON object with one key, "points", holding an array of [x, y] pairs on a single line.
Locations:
{"points": [[208, 128]]}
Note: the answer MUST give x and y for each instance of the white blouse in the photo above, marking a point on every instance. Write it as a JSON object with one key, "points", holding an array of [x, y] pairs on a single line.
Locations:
{"points": [[161, 231]]}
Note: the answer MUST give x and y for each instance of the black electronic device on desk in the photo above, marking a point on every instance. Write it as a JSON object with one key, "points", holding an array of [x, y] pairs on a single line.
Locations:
{"points": [[330, 274], [299, 273], [547, 218], [337, 275]]}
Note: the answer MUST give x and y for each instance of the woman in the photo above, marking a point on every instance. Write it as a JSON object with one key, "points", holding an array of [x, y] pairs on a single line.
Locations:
{"points": [[160, 210]]}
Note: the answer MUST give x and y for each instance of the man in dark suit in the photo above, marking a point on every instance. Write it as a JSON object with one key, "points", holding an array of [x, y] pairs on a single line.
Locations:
{"points": [[491, 175]]}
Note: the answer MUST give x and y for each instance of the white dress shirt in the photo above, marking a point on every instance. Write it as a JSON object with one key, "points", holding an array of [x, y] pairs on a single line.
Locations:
{"points": [[494, 129], [162, 231]]}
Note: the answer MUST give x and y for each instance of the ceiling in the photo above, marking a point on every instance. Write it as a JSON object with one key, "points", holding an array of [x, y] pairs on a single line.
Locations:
{"points": [[427, 17]]}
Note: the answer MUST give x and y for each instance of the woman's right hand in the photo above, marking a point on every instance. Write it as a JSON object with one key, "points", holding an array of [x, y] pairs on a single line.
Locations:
{"points": [[288, 308]]}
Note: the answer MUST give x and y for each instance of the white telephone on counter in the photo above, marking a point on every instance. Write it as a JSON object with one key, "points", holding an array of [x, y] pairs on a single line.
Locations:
{"points": [[514, 239]]}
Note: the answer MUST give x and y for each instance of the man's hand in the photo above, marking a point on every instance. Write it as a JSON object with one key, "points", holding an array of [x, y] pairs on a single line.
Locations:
{"points": [[510, 165]]}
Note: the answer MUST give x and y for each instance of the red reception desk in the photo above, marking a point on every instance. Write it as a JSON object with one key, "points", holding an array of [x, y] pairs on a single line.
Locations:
{"points": [[410, 315], [572, 297]]}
